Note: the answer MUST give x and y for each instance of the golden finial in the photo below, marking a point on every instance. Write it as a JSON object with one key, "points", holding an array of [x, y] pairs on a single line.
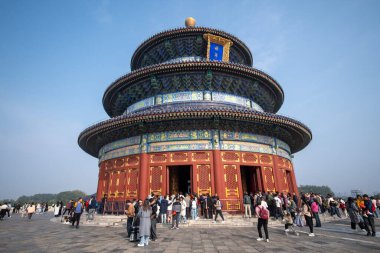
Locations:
{"points": [[190, 22]]}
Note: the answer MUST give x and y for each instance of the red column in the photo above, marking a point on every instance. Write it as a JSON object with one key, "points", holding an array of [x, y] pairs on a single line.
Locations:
{"points": [[293, 176], [279, 188], [143, 176], [100, 183], [218, 174]]}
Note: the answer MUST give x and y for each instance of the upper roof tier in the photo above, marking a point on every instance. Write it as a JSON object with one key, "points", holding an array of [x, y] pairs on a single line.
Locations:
{"points": [[182, 44]]}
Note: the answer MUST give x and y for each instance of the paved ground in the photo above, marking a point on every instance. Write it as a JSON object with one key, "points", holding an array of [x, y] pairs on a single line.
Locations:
{"points": [[42, 235]]}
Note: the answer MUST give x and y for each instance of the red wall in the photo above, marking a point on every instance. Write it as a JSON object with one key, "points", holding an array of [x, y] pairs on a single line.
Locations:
{"points": [[214, 171]]}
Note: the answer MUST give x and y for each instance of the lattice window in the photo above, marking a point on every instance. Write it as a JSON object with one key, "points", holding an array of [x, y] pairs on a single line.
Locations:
{"points": [[265, 159], [204, 178], [230, 156], [156, 179], [231, 180], [109, 165], [201, 156], [179, 157], [133, 160], [158, 158], [119, 162], [247, 157]]}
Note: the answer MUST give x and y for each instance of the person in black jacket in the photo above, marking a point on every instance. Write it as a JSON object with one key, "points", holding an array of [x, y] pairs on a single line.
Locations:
{"points": [[153, 219], [176, 213], [210, 206]]}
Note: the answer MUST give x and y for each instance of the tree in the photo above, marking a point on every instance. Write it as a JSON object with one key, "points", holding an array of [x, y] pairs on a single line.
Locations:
{"points": [[323, 190], [52, 198]]}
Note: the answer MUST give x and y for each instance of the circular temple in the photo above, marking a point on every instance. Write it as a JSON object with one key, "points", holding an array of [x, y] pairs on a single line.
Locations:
{"points": [[193, 116]]}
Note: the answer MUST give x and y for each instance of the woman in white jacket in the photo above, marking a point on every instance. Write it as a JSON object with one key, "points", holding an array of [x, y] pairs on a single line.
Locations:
{"points": [[183, 210]]}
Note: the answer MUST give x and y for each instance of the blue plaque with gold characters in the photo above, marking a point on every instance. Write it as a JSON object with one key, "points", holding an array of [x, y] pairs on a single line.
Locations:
{"points": [[216, 52], [218, 48]]}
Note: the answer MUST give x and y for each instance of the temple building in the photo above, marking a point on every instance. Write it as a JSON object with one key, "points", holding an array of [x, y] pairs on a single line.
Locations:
{"points": [[193, 115]]}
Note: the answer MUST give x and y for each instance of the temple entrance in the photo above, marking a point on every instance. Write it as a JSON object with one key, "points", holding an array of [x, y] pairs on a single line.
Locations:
{"points": [[179, 179], [249, 179]]}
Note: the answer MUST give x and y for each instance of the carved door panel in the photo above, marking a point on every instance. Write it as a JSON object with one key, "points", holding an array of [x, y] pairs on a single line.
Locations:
{"points": [[132, 182], [155, 179], [268, 179], [204, 179], [232, 187], [112, 184], [231, 181], [289, 181]]}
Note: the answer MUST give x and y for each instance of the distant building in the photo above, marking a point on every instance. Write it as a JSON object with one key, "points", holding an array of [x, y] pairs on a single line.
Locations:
{"points": [[355, 193], [194, 114]]}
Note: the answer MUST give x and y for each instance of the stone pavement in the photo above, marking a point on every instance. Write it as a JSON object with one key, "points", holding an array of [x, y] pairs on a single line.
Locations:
{"points": [[42, 235]]}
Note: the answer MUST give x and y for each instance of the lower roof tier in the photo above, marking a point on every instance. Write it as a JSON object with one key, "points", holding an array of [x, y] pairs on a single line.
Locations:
{"points": [[195, 116]]}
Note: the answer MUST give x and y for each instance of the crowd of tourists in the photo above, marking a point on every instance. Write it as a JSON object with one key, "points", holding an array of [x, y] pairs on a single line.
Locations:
{"points": [[174, 209], [292, 210], [143, 215], [26, 210]]}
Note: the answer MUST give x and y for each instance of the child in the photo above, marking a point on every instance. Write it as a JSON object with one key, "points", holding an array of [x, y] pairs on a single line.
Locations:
{"points": [[289, 224]]}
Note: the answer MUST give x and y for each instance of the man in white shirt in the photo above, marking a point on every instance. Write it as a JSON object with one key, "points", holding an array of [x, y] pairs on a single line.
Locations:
{"points": [[278, 207]]}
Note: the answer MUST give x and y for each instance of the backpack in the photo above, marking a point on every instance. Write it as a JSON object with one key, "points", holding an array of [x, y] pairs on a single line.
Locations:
{"points": [[264, 213]]}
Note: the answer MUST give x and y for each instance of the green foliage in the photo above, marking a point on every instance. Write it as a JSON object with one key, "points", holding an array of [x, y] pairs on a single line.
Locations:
{"points": [[323, 190], [66, 196], [51, 198], [12, 201]]}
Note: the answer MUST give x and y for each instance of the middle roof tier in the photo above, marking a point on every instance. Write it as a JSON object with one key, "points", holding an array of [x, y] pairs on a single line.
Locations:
{"points": [[207, 76]]}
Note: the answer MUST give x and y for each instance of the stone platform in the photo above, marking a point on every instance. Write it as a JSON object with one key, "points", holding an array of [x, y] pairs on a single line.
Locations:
{"points": [[231, 220], [41, 235]]}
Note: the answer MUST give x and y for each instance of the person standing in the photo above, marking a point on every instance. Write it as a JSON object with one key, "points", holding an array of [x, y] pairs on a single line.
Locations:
{"points": [[315, 210], [306, 212], [183, 210], [91, 208], [353, 213], [187, 199], [247, 205], [78, 210], [218, 209], [145, 211], [262, 214], [368, 216], [193, 203], [163, 210], [176, 213], [56, 209], [130, 212], [153, 218], [374, 204], [31, 210], [103, 204], [278, 203], [210, 206]]}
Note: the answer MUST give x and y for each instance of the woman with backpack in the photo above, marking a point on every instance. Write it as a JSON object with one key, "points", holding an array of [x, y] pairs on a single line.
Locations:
{"points": [[262, 214]]}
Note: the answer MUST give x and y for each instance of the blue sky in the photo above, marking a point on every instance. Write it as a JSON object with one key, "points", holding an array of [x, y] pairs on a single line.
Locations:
{"points": [[57, 59]]}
